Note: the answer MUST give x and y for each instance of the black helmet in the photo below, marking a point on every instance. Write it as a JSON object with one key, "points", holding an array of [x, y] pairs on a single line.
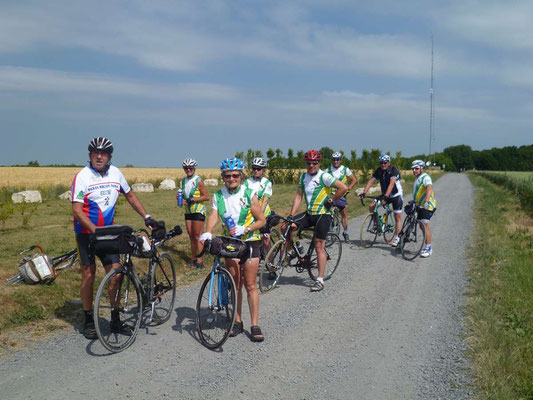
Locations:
{"points": [[101, 144]]}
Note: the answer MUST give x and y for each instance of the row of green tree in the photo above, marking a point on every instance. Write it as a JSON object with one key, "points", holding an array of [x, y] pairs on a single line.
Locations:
{"points": [[454, 158]]}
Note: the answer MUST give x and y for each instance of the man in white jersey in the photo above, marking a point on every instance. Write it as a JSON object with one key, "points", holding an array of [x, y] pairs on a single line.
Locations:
{"points": [[315, 187], [95, 192], [343, 174]]}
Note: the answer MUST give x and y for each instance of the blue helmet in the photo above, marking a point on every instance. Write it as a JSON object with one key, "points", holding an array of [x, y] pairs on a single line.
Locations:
{"points": [[232, 164], [418, 163], [384, 158]]}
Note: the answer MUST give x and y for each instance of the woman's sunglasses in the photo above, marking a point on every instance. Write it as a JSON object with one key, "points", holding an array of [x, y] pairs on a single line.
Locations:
{"points": [[234, 176]]}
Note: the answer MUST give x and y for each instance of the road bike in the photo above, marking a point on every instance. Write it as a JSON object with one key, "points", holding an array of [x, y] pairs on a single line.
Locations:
{"points": [[286, 252], [376, 223], [215, 307], [413, 233], [124, 294], [335, 221]]}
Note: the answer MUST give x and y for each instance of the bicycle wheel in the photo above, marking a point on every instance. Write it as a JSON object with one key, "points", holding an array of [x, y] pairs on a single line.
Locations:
{"points": [[117, 310], [163, 282], [412, 240], [335, 223], [390, 226], [214, 320], [333, 249], [274, 237], [369, 231], [270, 271]]}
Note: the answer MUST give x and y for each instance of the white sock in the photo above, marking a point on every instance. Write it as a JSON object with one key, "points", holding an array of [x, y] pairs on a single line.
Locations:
{"points": [[321, 280], [346, 231]]}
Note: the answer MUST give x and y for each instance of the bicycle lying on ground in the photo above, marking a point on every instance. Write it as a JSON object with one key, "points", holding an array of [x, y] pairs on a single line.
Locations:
{"points": [[286, 252], [413, 234], [215, 307], [30, 273], [376, 224], [123, 294]]}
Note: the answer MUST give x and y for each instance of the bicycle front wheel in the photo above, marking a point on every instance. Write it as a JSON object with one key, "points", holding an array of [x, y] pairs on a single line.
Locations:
{"points": [[390, 226], [335, 223], [413, 240], [369, 231], [215, 314], [270, 271], [333, 248], [163, 282], [117, 310]]}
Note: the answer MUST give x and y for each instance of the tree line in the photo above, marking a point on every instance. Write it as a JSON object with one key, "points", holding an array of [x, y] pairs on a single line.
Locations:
{"points": [[453, 158]]}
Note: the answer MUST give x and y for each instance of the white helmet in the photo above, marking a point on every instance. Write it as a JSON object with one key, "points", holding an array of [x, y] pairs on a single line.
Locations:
{"points": [[259, 162], [336, 155], [189, 162], [418, 163], [384, 158]]}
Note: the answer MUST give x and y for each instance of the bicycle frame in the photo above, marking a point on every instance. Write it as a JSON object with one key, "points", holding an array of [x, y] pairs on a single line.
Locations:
{"points": [[220, 301]]}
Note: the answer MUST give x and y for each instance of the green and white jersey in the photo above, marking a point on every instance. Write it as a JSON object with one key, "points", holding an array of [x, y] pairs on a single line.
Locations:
{"points": [[263, 189], [316, 189], [238, 204], [190, 189], [342, 174], [419, 192]]}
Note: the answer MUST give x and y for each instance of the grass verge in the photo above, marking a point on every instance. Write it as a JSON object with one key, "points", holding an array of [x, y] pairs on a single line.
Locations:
{"points": [[500, 305]]}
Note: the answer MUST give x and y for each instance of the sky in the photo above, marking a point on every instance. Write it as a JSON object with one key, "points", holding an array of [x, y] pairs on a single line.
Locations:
{"points": [[169, 79]]}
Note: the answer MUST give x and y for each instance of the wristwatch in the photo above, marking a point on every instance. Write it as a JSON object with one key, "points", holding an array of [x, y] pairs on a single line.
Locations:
{"points": [[147, 216]]}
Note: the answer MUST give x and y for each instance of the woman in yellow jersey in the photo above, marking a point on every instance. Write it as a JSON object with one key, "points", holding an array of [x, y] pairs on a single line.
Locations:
{"points": [[194, 194], [425, 201], [238, 209]]}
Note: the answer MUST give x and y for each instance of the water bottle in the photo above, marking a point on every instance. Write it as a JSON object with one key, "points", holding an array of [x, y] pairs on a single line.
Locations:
{"points": [[300, 247], [384, 218], [180, 197], [230, 223]]}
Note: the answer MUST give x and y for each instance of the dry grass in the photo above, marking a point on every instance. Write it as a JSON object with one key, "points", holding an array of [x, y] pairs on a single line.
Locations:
{"points": [[30, 177]]}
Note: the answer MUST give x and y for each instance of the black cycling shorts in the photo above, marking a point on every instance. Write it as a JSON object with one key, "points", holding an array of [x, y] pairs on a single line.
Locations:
{"points": [[321, 222], [87, 255], [195, 217], [425, 215], [397, 203], [253, 251]]}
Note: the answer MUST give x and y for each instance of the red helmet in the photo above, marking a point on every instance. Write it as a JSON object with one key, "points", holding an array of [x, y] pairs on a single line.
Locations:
{"points": [[313, 155]]}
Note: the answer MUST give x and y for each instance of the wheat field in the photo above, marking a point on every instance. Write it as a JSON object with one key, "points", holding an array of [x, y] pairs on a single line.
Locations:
{"points": [[33, 177]]}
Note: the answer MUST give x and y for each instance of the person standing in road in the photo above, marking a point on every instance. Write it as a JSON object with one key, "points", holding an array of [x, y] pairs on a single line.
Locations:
{"points": [[95, 192], [391, 188], [425, 201], [343, 174]]}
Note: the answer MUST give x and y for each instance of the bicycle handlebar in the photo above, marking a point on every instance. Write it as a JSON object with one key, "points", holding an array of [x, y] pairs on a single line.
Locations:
{"points": [[379, 198]]}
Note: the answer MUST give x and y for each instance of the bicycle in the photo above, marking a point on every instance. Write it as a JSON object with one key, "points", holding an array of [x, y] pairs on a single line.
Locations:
{"points": [[123, 294], [375, 224], [271, 221], [286, 252], [60, 262], [335, 221], [413, 233], [215, 307]]}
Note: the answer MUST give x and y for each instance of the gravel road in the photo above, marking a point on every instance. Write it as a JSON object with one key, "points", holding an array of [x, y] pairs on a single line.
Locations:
{"points": [[383, 328]]}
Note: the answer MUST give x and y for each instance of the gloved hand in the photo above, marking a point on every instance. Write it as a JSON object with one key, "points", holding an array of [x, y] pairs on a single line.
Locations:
{"points": [[239, 230], [362, 196], [426, 205], [205, 236], [150, 222], [328, 204]]}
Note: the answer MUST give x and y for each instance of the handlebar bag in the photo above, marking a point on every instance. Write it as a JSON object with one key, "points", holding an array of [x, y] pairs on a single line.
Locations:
{"points": [[113, 239], [36, 269], [228, 247]]}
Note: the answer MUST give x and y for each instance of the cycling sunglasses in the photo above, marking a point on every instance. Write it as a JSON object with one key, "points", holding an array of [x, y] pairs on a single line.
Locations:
{"points": [[257, 168], [234, 176], [188, 167], [310, 163]]}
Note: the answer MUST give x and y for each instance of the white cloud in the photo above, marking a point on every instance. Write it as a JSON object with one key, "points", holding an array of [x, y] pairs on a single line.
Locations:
{"points": [[38, 80]]}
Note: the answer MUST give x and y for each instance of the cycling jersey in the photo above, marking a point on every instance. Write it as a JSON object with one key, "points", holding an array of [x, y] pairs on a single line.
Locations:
{"points": [[190, 189], [420, 189], [99, 195], [384, 177], [238, 204], [342, 174], [263, 189], [316, 189]]}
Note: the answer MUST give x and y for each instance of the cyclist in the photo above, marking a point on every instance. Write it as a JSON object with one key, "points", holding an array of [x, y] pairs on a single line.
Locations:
{"points": [[315, 186], [263, 189], [194, 194], [95, 192], [424, 199], [242, 205], [391, 189], [342, 173]]}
